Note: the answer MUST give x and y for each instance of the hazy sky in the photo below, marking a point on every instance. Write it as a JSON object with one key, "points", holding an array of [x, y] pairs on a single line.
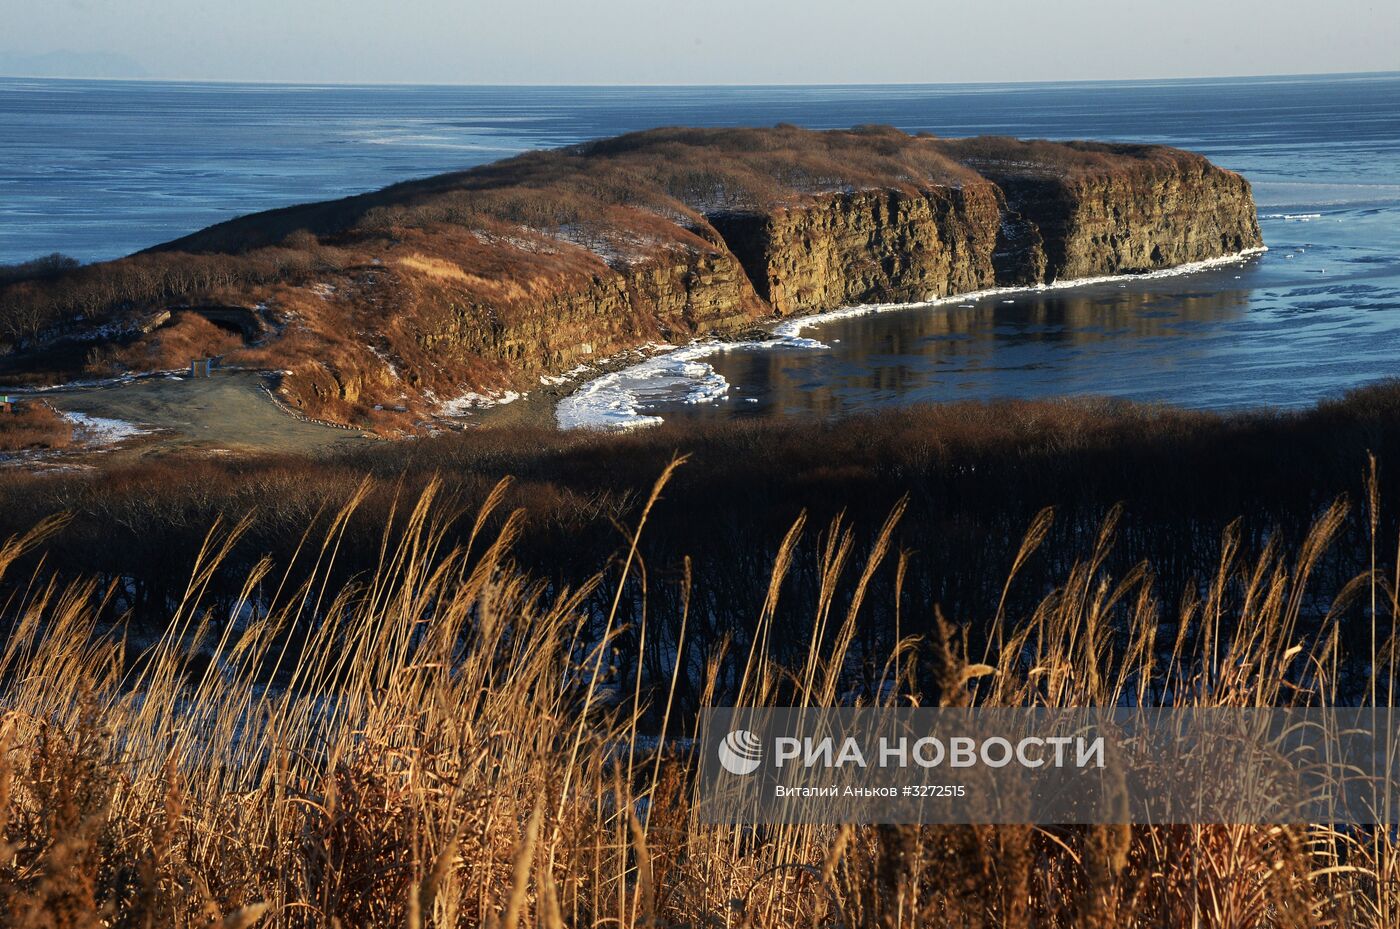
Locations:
{"points": [[704, 41]]}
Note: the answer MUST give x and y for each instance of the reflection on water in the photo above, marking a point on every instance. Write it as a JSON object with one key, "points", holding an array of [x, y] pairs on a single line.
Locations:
{"points": [[1319, 313], [1032, 345]]}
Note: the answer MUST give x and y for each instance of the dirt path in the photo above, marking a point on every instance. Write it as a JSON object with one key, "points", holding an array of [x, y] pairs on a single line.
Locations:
{"points": [[229, 411]]}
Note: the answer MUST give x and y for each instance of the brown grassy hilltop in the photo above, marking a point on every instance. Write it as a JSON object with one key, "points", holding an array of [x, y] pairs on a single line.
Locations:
{"points": [[489, 278]]}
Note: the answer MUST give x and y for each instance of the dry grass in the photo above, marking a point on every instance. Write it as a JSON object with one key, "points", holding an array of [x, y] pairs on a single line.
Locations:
{"points": [[33, 425], [442, 741], [171, 347], [435, 268], [999, 156], [974, 475]]}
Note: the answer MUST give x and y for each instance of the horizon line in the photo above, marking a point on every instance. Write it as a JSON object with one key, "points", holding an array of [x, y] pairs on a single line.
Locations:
{"points": [[679, 85]]}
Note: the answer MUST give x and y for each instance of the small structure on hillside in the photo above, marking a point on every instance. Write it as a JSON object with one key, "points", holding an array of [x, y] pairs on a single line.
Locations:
{"points": [[202, 367]]}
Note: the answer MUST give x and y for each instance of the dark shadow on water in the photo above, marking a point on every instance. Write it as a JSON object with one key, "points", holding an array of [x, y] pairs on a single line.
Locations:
{"points": [[1034, 345]]}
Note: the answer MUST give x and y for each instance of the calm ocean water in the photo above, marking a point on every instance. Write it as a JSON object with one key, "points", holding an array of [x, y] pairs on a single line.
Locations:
{"points": [[98, 169]]}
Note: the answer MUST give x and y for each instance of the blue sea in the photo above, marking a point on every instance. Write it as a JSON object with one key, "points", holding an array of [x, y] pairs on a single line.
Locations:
{"points": [[98, 169]]}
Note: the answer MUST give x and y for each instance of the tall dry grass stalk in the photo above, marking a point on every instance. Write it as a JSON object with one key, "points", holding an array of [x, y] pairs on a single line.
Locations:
{"points": [[444, 742]]}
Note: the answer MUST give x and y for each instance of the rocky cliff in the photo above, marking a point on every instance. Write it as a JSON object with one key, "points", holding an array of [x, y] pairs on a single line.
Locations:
{"points": [[378, 308], [1029, 219], [883, 245], [1146, 216]]}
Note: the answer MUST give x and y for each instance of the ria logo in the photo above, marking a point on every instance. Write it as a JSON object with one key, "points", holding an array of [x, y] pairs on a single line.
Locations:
{"points": [[741, 752]]}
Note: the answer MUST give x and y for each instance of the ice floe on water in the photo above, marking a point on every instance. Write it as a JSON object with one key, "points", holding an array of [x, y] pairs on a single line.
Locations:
{"points": [[617, 400], [614, 401]]}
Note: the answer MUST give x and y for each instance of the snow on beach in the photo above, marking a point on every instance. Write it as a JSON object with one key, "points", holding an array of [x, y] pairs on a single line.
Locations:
{"points": [[98, 430], [615, 401], [473, 400]]}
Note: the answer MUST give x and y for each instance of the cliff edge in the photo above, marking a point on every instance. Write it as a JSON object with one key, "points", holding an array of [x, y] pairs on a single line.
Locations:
{"points": [[379, 307]]}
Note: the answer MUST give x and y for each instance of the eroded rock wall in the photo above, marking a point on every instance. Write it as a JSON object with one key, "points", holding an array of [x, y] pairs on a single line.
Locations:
{"points": [[1127, 222], [868, 246], [1027, 228]]}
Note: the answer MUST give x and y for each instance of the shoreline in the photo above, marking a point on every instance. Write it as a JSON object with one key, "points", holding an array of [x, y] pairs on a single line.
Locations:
{"points": [[612, 401], [609, 397]]}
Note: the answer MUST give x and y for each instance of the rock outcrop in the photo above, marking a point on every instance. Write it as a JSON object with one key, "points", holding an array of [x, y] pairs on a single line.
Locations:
{"points": [[1026, 222], [1133, 221], [492, 278], [885, 245]]}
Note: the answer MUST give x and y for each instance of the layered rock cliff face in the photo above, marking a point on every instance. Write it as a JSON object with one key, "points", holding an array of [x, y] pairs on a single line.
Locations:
{"points": [[1130, 223], [888, 245], [1026, 224], [496, 277]]}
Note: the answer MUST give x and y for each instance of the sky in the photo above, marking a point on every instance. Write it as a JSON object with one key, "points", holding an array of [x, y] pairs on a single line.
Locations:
{"points": [[709, 42]]}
